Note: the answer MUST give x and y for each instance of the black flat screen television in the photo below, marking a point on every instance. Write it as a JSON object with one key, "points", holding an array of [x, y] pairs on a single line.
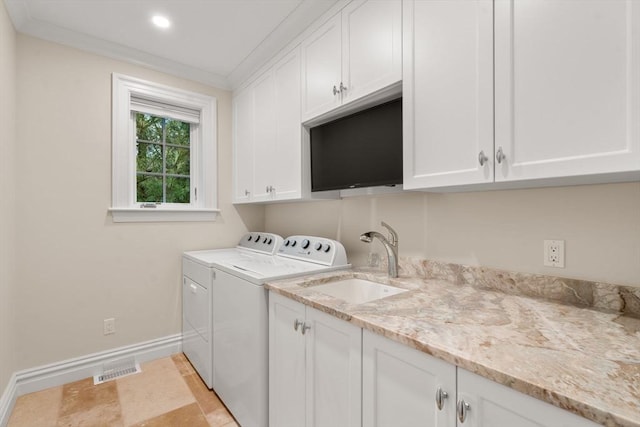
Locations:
{"points": [[360, 150]]}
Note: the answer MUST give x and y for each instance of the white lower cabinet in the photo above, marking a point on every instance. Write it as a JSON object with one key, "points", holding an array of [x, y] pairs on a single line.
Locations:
{"points": [[315, 367], [405, 387], [399, 386]]}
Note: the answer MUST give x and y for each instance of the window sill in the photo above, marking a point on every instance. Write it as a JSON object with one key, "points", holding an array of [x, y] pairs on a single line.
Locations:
{"points": [[163, 215]]}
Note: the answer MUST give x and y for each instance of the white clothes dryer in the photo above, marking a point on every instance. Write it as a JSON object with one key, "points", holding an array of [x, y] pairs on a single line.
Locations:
{"points": [[240, 316], [197, 300]]}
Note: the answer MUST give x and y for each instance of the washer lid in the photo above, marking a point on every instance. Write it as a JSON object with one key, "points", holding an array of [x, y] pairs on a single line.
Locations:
{"points": [[259, 270], [211, 258]]}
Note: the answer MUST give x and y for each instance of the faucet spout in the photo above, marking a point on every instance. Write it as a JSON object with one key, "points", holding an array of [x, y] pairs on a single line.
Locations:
{"points": [[391, 246]]}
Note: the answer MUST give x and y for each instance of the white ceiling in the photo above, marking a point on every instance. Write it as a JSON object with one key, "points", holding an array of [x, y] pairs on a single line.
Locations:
{"points": [[218, 42]]}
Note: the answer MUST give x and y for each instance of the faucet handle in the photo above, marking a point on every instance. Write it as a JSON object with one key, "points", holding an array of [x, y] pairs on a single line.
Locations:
{"points": [[394, 236]]}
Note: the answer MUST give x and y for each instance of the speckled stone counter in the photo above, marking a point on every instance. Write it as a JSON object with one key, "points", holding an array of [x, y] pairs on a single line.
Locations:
{"points": [[577, 358]]}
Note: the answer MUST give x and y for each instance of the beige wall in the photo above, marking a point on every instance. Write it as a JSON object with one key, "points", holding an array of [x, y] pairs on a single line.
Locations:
{"points": [[75, 266], [7, 193], [503, 229]]}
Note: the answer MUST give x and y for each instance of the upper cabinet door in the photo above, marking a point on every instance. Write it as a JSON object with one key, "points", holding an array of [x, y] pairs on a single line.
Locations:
{"points": [[288, 149], [447, 93], [264, 136], [243, 146], [371, 46], [322, 69], [567, 88]]}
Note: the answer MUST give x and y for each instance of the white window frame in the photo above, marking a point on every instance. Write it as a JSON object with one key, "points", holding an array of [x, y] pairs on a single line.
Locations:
{"points": [[124, 208]]}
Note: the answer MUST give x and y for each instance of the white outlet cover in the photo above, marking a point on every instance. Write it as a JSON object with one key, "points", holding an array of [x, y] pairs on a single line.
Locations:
{"points": [[554, 253]]}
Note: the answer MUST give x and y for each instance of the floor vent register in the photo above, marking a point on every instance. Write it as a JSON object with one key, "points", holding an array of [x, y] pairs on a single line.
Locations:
{"points": [[117, 369]]}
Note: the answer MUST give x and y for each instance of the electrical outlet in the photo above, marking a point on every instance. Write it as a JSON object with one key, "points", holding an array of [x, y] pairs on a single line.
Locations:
{"points": [[554, 253], [109, 326]]}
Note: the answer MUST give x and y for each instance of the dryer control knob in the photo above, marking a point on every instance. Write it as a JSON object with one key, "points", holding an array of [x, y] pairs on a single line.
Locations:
{"points": [[327, 248], [318, 246], [249, 238], [270, 241], [257, 239], [305, 243], [287, 242]]}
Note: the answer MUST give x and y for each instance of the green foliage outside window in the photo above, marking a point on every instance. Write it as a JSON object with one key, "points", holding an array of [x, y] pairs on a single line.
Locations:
{"points": [[162, 160]]}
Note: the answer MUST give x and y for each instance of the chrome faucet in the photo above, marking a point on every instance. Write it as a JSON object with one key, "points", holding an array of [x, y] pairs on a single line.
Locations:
{"points": [[391, 246]]}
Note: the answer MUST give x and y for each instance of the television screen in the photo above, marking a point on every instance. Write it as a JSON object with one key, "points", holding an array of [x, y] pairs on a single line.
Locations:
{"points": [[360, 150]]}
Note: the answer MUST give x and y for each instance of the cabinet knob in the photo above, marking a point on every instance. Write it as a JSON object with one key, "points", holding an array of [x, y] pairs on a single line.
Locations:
{"points": [[246, 192], [335, 90], [462, 409], [500, 155], [441, 395], [305, 328], [343, 88], [296, 324], [482, 158]]}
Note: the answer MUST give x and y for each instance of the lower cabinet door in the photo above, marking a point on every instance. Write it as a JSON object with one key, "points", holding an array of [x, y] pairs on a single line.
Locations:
{"points": [[401, 386], [334, 371], [286, 362], [491, 404]]}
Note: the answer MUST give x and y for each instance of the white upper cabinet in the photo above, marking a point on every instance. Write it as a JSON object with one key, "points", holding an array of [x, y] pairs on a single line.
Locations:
{"points": [[356, 53], [268, 135], [447, 93], [567, 87], [265, 135], [567, 92], [322, 69], [242, 107], [287, 177]]}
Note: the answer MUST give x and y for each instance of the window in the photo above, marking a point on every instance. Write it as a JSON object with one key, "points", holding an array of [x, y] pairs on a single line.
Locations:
{"points": [[164, 153]]}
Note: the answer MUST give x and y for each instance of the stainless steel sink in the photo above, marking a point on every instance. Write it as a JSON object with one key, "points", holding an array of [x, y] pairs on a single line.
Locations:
{"points": [[357, 291]]}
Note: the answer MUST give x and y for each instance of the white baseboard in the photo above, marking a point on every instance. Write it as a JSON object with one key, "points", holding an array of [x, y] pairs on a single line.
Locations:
{"points": [[7, 400], [66, 371]]}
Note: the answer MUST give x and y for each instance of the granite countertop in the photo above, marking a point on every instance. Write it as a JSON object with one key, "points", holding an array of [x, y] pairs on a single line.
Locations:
{"points": [[577, 358]]}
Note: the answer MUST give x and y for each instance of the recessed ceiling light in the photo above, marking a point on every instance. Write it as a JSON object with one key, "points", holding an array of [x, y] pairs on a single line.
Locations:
{"points": [[160, 21]]}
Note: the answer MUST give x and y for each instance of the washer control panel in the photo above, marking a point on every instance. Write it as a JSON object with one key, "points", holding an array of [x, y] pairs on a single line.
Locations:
{"points": [[267, 243], [314, 249]]}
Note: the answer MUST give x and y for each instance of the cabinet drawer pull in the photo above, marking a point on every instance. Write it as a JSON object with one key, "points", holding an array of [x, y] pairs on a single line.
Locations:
{"points": [[296, 323], [441, 395], [343, 88], [500, 155], [305, 328], [482, 158], [335, 90], [463, 408]]}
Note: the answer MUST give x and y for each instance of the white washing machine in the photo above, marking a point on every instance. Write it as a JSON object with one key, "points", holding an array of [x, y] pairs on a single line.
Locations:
{"points": [[240, 317], [197, 301]]}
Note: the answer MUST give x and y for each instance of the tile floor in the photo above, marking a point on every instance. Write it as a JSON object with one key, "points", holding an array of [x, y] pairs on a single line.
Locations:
{"points": [[167, 393]]}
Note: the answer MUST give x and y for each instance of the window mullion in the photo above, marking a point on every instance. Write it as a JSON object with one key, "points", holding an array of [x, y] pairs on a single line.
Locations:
{"points": [[164, 160]]}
